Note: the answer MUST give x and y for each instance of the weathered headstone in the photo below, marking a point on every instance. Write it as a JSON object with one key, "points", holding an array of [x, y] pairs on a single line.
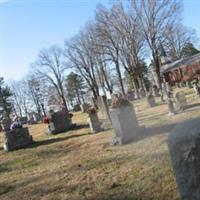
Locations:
{"points": [[130, 95], [181, 101], [168, 87], [142, 93], [104, 114], [171, 108], [197, 89], [84, 107], [94, 123], [170, 103], [125, 124], [189, 84], [155, 91], [17, 139], [23, 120], [136, 95], [59, 122], [76, 108], [33, 118], [184, 149], [151, 100], [124, 121], [5, 124]]}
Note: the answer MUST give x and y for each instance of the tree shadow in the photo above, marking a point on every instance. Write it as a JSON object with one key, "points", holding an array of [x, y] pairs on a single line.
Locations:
{"points": [[80, 126]]}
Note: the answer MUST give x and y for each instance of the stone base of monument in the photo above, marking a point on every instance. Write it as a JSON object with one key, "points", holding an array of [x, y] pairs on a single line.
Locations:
{"points": [[94, 123], [59, 122], [125, 125], [17, 139], [184, 149]]}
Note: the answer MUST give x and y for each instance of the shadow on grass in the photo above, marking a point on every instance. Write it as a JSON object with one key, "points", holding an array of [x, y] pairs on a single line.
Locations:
{"points": [[4, 189], [192, 105], [53, 140], [80, 126], [155, 130]]}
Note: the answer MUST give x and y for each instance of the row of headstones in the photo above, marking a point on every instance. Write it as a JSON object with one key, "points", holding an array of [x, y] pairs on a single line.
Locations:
{"points": [[177, 102], [183, 144], [20, 137], [122, 119]]}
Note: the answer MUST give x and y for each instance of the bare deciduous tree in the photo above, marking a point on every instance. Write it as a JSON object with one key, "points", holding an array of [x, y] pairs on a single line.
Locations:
{"points": [[50, 66], [80, 53], [20, 96], [108, 40], [176, 38], [155, 17]]}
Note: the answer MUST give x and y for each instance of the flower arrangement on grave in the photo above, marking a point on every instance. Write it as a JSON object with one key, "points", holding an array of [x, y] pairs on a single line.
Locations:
{"points": [[118, 101], [45, 120], [91, 110]]}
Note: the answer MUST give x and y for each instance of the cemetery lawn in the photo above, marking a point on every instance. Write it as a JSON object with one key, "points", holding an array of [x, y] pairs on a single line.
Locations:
{"points": [[77, 165]]}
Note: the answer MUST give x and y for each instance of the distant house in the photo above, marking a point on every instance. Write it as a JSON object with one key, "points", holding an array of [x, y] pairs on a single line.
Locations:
{"points": [[185, 69]]}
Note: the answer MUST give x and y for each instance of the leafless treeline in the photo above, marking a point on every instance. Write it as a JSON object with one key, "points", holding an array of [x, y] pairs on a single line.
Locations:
{"points": [[118, 39]]}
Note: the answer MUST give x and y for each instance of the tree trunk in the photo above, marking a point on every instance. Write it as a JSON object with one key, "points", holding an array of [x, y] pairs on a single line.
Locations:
{"points": [[78, 96], [120, 77], [157, 66]]}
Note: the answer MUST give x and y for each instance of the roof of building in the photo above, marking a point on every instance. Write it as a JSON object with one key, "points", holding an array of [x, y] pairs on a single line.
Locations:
{"points": [[180, 63]]}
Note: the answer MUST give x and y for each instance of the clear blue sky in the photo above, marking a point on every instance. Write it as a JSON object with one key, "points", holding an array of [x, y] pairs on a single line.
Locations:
{"points": [[29, 26]]}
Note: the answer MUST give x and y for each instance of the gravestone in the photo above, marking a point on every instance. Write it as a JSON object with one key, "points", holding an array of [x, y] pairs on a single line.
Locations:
{"points": [[33, 118], [189, 84], [76, 108], [184, 149], [24, 120], [181, 101], [170, 106], [151, 100], [59, 122], [5, 124], [136, 95], [84, 107], [130, 95], [94, 123], [168, 87], [104, 114], [142, 93], [125, 125], [197, 89], [17, 139], [155, 91], [170, 103]]}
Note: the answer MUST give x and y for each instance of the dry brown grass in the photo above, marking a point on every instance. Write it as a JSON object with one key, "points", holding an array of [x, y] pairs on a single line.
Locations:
{"points": [[77, 165]]}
